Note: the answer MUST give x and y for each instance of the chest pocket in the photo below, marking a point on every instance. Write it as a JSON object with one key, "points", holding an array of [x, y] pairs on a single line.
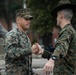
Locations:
{"points": [[24, 42]]}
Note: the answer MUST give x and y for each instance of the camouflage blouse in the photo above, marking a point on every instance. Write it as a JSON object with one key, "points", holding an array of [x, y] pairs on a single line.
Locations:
{"points": [[65, 51], [18, 53]]}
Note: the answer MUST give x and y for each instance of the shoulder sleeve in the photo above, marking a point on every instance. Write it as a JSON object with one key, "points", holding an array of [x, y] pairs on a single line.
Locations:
{"points": [[62, 44], [46, 54]]}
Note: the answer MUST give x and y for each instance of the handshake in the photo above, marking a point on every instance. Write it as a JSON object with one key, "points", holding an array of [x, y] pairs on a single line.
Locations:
{"points": [[36, 49]]}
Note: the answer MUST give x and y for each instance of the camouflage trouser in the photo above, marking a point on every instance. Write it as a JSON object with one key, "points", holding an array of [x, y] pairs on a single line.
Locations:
{"points": [[61, 70], [19, 73], [17, 70]]}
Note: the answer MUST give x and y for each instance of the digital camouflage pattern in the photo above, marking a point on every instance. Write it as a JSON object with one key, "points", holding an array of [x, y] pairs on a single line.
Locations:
{"points": [[24, 13], [65, 50], [18, 53]]}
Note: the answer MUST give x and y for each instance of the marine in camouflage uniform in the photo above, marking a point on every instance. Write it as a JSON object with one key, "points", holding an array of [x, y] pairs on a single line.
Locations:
{"points": [[65, 51], [64, 55], [18, 49]]}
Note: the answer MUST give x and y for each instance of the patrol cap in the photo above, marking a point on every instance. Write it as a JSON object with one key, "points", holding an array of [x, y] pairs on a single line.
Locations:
{"points": [[24, 13]]}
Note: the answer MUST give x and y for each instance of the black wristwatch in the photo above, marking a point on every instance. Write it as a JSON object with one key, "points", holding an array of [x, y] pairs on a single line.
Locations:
{"points": [[54, 57]]}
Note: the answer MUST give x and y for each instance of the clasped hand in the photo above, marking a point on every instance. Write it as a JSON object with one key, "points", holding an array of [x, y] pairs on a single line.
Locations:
{"points": [[36, 49], [49, 66]]}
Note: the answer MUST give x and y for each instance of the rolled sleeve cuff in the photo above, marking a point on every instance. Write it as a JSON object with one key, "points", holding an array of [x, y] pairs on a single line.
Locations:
{"points": [[56, 54]]}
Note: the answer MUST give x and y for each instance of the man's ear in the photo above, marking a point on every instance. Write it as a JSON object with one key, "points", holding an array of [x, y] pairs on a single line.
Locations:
{"points": [[62, 15], [18, 19]]}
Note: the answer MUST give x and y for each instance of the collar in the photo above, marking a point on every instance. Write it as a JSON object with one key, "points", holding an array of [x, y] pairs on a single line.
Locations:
{"points": [[62, 30], [22, 33]]}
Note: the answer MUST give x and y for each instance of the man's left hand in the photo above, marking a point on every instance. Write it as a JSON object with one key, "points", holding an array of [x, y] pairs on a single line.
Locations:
{"points": [[49, 66]]}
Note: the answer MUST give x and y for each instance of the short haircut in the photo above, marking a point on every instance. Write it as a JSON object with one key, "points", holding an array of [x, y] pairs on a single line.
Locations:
{"points": [[68, 13]]}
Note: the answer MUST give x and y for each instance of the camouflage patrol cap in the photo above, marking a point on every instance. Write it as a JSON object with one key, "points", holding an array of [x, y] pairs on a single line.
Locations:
{"points": [[24, 13]]}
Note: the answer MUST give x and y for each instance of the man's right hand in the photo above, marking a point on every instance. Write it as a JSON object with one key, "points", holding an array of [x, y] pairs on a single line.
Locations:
{"points": [[36, 49], [40, 49]]}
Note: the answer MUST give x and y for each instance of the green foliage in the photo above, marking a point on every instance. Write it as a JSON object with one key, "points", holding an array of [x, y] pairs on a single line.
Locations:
{"points": [[14, 5], [43, 21], [2, 5]]}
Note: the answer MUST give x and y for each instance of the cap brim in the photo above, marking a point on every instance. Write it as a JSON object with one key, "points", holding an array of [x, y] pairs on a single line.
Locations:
{"points": [[28, 17], [65, 6]]}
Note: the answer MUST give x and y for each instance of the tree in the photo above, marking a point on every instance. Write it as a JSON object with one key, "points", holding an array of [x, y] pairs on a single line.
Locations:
{"points": [[43, 21], [7, 10]]}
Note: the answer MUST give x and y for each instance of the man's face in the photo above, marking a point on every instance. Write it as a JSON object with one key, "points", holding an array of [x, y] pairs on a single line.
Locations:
{"points": [[58, 18], [24, 24]]}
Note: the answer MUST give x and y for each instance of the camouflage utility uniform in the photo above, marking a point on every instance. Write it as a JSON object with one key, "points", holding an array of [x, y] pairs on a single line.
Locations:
{"points": [[18, 53], [65, 51]]}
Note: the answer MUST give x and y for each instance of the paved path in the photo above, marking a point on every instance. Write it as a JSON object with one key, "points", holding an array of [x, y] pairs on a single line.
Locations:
{"points": [[38, 64]]}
